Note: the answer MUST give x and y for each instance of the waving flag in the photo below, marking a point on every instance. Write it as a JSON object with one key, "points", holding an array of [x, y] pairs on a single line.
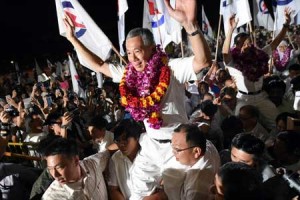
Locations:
{"points": [[206, 28], [263, 17], [75, 78], [157, 19], [279, 16], [123, 7], [86, 29], [239, 7]]}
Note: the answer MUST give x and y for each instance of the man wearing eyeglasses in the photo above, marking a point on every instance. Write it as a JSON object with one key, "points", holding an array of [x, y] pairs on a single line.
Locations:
{"points": [[190, 172]]}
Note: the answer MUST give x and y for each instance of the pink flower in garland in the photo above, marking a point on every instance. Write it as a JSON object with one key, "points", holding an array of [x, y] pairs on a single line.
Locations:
{"points": [[253, 63], [282, 63]]}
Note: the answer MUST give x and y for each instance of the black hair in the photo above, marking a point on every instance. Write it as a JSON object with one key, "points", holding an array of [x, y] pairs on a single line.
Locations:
{"points": [[56, 145], [52, 118], [231, 126], [251, 110], [249, 144], [208, 108], [240, 181], [283, 116], [130, 127], [291, 140], [194, 136], [295, 67], [238, 37], [275, 84], [98, 121]]}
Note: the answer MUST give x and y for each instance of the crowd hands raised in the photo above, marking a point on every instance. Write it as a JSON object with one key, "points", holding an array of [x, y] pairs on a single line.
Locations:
{"points": [[234, 132]]}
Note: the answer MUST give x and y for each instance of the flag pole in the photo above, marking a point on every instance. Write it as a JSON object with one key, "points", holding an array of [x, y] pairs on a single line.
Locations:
{"points": [[118, 54], [181, 45], [252, 33], [218, 34]]}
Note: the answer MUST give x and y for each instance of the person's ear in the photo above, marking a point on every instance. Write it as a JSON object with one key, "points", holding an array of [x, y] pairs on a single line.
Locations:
{"points": [[197, 152]]}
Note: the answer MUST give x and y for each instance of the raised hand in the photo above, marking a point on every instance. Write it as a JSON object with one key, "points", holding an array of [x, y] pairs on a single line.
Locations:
{"points": [[287, 15], [233, 22], [185, 11], [70, 28]]}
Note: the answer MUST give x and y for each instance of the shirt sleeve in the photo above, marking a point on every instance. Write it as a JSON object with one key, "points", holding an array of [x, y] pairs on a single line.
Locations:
{"points": [[112, 178], [99, 160], [116, 72], [182, 69]]}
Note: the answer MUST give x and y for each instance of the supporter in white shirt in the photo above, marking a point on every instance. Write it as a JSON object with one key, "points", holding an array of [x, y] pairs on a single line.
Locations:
{"points": [[101, 138], [191, 170], [127, 135]]}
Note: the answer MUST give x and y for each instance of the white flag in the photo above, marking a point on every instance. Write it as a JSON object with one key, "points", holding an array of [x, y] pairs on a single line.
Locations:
{"points": [[86, 29], [75, 78], [123, 7], [157, 19], [279, 16], [206, 28], [242, 12], [227, 9], [262, 13]]}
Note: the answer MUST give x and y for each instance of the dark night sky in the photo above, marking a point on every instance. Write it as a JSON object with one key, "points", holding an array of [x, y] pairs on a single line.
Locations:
{"points": [[29, 27]]}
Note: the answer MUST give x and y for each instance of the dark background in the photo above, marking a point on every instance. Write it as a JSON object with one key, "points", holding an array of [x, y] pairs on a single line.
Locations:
{"points": [[29, 28]]}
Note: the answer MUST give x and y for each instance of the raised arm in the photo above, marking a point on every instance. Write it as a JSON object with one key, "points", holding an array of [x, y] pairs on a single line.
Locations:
{"points": [[282, 33], [186, 14], [226, 46], [96, 63]]}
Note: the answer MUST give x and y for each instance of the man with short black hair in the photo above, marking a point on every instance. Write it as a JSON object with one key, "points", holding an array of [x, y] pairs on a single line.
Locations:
{"points": [[74, 179], [191, 170]]}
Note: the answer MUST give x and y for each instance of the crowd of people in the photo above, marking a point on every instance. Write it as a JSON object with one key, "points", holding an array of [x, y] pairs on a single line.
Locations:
{"points": [[161, 128]]}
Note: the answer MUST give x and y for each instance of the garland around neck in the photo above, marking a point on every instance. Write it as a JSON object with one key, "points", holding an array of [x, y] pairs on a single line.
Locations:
{"points": [[142, 92], [253, 63], [281, 64]]}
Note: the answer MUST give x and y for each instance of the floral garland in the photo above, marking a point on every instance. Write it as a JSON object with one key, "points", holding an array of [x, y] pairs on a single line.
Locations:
{"points": [[253, 63], [143, 101], [281, 64]]}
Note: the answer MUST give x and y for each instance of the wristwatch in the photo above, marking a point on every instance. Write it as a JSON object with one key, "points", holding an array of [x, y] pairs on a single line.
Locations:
{"points": [[193, 33]]}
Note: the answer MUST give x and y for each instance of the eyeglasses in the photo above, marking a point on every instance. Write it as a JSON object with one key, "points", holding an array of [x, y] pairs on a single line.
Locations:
{"points": [[176, 150]]}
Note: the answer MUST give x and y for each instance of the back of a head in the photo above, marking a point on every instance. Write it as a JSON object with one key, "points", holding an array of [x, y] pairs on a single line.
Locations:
{"points": [[145, 34], [98, 121], [295, 67], [130, 127], [56, 145], [240, 182], [291, 140], [194, 136], [251, 110], [249, 144], [208, 108]]}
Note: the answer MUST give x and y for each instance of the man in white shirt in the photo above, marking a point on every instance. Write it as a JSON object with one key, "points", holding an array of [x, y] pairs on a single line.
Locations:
{"points": [[127, 135], [74, 179], [191, 171], [153, 89], [101, 138]]}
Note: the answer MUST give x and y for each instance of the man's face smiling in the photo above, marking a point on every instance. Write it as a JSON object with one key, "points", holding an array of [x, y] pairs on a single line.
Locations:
{"points": [[138, 53]]}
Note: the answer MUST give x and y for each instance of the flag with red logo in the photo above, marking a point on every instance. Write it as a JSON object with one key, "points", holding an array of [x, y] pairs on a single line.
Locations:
{"points": [[262, 13], [157, 19], [86, 30]]}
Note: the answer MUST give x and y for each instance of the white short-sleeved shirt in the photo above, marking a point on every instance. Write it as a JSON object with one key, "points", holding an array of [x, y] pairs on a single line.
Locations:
{"points": [[191, 182], [172, 105], [119, 167]]}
